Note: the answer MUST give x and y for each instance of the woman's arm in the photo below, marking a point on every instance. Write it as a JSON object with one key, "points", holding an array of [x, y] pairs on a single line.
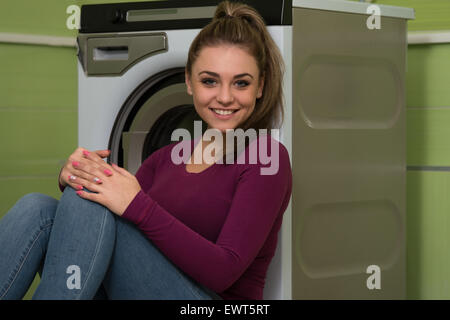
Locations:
{"points": [[259, 200]]}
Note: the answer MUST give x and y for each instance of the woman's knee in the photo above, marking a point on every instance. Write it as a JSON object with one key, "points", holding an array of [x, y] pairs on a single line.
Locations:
{"points": [[73, 206], [39, 199], [34, 205], [70, 198]]}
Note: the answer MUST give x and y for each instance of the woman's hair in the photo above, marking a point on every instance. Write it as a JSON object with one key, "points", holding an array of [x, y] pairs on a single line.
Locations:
{"points": [[239, 24]]}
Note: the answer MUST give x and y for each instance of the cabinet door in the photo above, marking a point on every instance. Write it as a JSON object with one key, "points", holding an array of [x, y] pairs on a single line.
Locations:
{"points": [[349, 151]]}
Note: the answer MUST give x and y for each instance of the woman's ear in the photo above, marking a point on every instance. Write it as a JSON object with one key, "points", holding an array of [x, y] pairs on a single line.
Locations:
{"points": [[260, 88], [188, 83]]}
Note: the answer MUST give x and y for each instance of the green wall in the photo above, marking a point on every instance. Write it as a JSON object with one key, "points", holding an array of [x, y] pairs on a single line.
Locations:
{"points": [[428, 204], [428, 129], [38, 125]]}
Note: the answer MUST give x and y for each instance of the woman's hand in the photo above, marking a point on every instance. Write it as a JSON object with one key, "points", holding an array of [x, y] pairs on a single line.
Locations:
{"points": [[72, 176], [115, 191]]}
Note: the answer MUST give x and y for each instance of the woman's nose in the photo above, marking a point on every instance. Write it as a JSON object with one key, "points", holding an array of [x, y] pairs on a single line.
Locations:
{"points": [[225, 96]]}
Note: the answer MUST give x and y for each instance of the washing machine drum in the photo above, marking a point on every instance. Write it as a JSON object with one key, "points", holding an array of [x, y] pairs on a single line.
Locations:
{"points": [[147, 119]]}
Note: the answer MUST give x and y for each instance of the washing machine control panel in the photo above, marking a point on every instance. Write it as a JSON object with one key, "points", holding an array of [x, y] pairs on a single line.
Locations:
{"points": [[118, 16], [170, 15]]}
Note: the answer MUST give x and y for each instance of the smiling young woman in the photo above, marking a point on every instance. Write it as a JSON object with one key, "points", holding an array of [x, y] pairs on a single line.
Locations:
{"points": [[225, 83], [168, 232], [234, 72]]}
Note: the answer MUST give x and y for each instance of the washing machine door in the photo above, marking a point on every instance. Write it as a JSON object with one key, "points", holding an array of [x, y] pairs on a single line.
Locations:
{"points": [[147, 119]]}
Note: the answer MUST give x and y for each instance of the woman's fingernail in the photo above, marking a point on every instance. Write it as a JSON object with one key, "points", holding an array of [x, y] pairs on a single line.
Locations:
{"points": [[107, 172], [72, 177], [79, 193], [97, 180], [75, 163], [86, 153], [80, 187]]}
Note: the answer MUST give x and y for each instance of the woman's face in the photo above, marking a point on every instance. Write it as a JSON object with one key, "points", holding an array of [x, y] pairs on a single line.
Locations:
{"points": [[225, 83]]}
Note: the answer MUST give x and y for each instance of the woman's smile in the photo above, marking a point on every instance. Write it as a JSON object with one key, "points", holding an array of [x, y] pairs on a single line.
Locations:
{"points": [[224, 113]]}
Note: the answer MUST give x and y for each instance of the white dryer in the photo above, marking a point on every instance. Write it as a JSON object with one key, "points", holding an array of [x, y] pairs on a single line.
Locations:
{"points": [[131, 90]]}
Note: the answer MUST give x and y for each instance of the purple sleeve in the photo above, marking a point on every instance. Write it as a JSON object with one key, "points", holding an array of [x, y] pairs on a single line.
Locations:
{"points": [[258, 201]]}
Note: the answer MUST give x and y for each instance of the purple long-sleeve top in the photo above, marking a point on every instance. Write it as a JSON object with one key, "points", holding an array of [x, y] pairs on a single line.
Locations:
{"points": [[219, 226]]}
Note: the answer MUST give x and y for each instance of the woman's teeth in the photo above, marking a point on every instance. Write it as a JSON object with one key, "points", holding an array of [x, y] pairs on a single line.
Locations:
{"points": [[223, 112]]}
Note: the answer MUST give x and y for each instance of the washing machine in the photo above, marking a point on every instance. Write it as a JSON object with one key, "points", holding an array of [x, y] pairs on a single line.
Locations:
{"points": [[131, 89]]}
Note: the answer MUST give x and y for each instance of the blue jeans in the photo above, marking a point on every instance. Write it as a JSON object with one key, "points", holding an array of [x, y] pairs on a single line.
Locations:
{"points": [[81, 250]]}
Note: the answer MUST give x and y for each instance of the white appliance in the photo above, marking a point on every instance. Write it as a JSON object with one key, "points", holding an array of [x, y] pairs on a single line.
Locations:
{"points": [[131, 91]]}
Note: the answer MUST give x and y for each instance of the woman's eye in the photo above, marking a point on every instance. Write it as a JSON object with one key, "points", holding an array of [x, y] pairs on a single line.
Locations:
{"points": [[242, 83], [209, 82]]}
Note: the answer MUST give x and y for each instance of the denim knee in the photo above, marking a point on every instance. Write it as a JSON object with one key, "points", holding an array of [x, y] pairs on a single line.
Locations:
{"points": [[38, 204], [72, 204], [71, 199]]}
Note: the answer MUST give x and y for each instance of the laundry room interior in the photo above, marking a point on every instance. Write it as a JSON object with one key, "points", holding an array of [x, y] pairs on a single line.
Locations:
{"points": [[42, 71]]}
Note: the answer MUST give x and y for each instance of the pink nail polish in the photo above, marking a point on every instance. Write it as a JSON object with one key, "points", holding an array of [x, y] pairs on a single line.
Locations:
{"points": [[80, 187], [79, 193], [86, 153], [75, 163], [107, 172]]}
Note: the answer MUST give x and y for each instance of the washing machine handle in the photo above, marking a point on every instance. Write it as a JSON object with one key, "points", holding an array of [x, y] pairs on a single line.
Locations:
{"points": [[113, 54]]}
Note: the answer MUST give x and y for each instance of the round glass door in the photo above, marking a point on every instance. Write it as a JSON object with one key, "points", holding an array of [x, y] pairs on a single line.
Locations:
{"points": [[146, 121]]}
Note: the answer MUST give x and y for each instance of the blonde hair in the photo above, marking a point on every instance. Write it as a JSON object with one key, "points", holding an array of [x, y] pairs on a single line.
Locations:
{"points": [[239, 24]]}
